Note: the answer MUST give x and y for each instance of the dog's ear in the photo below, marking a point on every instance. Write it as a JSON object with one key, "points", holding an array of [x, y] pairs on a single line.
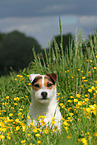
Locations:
{"points": [[53, 76], [33, 76]]}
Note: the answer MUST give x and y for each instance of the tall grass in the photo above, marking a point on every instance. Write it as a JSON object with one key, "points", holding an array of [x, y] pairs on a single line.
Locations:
{"points": [[77, 96]]}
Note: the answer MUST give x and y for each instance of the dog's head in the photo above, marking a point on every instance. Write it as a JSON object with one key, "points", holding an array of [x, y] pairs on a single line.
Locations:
{"points": [[43, 86]]}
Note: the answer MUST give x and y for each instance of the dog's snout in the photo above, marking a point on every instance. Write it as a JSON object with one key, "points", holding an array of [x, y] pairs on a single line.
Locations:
{"points": [[44, 95]]}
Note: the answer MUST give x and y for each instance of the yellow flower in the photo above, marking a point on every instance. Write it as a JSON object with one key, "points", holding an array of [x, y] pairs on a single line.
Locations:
{"points": [[35, 130], [95, 134], [23, 141], [65, 123], [52, 122], [32, 124], [2, 136], [61, 104], [46, 130], [17, 128], [79, 103], [70, 101], [39, 142], [78, 95], [90, 90], [7, 97], [83, 78], [54, 129], [15, 79], [11, 114], [84, 141], [15, 104], [37, 135], [58, 94], [28, 117], [75, 100], [93, 88], [42, 122]]}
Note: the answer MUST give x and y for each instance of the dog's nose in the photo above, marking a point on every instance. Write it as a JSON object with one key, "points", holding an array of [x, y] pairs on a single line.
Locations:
{"points": [[44, 95]]}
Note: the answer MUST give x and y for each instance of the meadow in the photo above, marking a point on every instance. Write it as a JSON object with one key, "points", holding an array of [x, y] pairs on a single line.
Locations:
{"points": [[76, 94]]}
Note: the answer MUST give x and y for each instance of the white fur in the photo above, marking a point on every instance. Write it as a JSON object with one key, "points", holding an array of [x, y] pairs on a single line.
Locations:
{"points": [[48, 107]]}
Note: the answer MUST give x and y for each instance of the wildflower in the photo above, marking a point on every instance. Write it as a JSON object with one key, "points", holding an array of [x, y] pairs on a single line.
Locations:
{"points": [[52, 122], [54, 129], [20, 113], [61, 104], [83, 78], [28, 75], [28, 117], [15, 104], [78, 69], [17, 128], [75, 100], [7, 97], [84, 141], [42, 122], [29, 84], [58, 94], [79, 103], [11, 114], [46, 130], [78, 95], [91, 61], [23, 141], [35, 130], [69, 136], [8, 137], [65, 123], [15, 79], [23, 127], [2, 136], [39, 142], [71, 97], [93, 88], [95, 134], [37, 135], [32, 124], [90, 90], [16, 99], [70, 101]]}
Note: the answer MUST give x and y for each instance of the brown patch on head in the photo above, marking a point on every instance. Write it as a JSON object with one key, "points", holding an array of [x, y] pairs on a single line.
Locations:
{"points": [[49, 83], [53, 77], [37, 83]]}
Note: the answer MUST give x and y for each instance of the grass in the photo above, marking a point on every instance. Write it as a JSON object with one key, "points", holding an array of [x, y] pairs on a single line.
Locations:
{"points": [[77, 97]]}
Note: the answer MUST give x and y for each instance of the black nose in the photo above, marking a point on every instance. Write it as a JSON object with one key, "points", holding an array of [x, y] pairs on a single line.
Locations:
{"points": [[44, 95]]}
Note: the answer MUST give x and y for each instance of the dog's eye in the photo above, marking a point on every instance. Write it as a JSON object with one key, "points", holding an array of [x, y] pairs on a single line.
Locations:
{"points": [[36, 85], [49, 84]]}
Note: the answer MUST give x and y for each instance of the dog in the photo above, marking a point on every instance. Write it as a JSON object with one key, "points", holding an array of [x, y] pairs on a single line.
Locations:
{"points": [[44, 99]]}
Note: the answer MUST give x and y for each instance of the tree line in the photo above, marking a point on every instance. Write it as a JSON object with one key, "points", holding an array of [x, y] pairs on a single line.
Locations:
{"points": [[16, 49]]}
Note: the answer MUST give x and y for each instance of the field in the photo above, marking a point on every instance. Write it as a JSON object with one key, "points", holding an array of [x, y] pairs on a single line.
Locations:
{"points": [[77, 97]]}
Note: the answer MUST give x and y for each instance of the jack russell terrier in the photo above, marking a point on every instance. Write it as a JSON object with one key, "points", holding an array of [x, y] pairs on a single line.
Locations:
{"points": [[43, 99]]}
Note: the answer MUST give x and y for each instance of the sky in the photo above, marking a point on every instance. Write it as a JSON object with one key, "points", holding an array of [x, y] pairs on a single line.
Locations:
{"points": [[40, 18]]}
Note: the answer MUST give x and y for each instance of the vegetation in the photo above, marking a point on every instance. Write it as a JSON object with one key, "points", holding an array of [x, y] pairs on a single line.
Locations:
{"points": [[77, 96], [16, 51]]}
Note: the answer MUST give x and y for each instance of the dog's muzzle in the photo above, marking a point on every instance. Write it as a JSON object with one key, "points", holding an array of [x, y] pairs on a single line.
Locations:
{"points": [[44, 95]]}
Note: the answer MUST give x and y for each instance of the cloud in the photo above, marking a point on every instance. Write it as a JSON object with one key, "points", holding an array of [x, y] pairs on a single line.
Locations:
{"points": [[44, 28]]}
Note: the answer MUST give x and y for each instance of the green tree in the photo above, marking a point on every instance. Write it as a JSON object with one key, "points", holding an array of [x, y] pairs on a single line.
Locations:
{"points": [[16, 51]]}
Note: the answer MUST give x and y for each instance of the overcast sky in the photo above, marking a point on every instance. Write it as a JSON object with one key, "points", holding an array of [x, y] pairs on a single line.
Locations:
{"points": [[40, 18]]}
